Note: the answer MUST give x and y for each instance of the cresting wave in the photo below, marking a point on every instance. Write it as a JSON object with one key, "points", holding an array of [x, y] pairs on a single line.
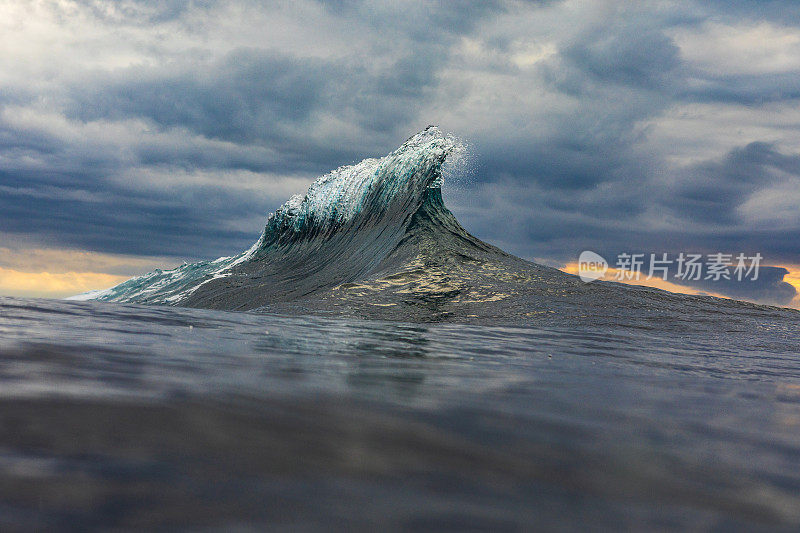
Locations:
{"points": [[375, 240], [343, 226]]}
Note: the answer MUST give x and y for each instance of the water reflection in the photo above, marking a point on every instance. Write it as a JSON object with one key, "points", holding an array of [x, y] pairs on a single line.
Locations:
{"points": [[206, 419]]}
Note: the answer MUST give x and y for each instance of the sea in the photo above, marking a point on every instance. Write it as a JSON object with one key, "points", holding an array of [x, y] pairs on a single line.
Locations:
{"points": [[134, 417], [370, 365]]}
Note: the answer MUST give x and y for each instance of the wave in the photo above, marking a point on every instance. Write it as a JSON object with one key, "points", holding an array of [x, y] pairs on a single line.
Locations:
{"points": [[346, 224], [375, 240]]}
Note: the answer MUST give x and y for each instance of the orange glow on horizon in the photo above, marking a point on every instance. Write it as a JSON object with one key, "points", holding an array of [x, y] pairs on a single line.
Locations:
{"points": [[58, 285], [657, 283], [57, 273], [792, 278]]}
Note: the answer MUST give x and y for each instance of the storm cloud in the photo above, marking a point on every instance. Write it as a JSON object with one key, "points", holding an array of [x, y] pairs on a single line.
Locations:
{"points": [[172, 129]]}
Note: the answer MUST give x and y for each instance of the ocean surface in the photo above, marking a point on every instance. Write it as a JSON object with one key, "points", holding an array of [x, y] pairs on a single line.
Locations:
{"points": [[129, 417], [368, 364]]}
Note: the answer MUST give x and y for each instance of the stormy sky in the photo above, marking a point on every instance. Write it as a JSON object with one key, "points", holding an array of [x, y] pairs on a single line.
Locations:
{"points": [[138, 132]]}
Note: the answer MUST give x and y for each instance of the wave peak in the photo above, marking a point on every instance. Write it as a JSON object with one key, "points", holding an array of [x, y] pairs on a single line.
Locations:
{"points": [[347, 222], [366, 192]]}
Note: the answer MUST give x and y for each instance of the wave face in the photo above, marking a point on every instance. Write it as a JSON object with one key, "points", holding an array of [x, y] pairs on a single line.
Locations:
{"points": [[345, 226]]}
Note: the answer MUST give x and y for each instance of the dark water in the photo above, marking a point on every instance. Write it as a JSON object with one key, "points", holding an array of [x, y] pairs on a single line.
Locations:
{"points": [[126, 417]]}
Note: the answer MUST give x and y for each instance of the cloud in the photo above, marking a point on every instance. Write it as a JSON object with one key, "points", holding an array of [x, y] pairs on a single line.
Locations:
{"points": [[742, 49], [769, 287]]}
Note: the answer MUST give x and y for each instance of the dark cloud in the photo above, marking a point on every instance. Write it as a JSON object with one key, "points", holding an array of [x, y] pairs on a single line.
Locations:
{"points": [[242, 97], [711, 192], [189, 223], [742, 89], [623, 54], [423, 22], [768, 288], [777, 11]]}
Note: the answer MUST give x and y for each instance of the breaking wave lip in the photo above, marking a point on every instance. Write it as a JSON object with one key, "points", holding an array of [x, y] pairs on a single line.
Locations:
{"points": [[373, 199]]}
